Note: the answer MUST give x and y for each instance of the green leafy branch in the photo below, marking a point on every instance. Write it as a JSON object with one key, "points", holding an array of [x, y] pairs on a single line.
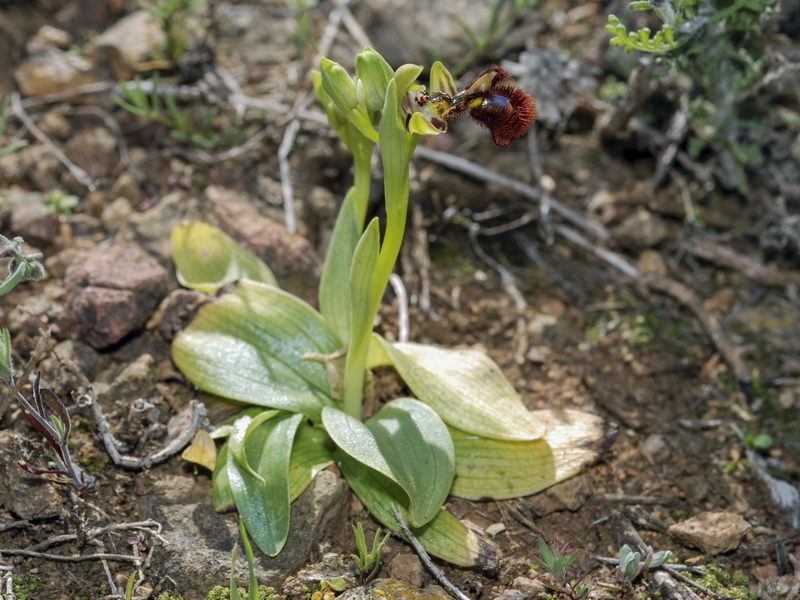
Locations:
{"points": [[642, 40], [21, 267]]}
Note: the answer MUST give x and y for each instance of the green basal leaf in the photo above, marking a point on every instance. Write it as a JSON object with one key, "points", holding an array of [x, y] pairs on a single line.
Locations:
{"points": [[207, 258], [467, 389], [353, 437], [310, 455], [407, 443], [221, 494], [251, 346], [498, 469], [263, 501], [444, 536], [419, 451], [334, 297]]}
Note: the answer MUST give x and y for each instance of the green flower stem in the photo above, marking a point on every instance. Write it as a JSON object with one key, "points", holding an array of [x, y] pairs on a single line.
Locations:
{"points": [[362, 177], [397, 147]]}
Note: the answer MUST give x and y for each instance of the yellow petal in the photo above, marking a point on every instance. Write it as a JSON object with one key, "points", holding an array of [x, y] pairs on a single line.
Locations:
{"points": [[202, 450], [420, 125]]}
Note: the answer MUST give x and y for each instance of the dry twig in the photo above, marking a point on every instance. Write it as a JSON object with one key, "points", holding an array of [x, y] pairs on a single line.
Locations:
{"points": [[79, 174], [426, 560]]}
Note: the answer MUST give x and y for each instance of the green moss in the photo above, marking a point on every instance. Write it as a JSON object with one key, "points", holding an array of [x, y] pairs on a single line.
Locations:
{"points": [[224, 593], [168, 596], [26, 587], [722, 582]]}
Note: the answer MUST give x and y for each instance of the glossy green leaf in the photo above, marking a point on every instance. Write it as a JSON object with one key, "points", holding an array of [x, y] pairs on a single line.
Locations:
{"points": [[353, 437], [221, 494], [310, 455], [334, 293], [499, 469], [263, 502], [444, 536], [361, 282], [207, 258], [419, 451], [252, 345], [467, 389], [406, 442]]}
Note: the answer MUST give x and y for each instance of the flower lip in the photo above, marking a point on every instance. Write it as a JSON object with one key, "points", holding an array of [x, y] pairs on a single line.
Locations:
{"points": [[492, 99]]}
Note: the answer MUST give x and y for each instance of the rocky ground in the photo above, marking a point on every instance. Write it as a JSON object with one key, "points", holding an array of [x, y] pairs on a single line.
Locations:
{"points": [[668, 307]]}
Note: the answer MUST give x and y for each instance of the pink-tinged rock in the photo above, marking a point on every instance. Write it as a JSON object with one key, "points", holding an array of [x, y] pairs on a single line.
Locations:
{"points": [[711, 532], [111, 292]]}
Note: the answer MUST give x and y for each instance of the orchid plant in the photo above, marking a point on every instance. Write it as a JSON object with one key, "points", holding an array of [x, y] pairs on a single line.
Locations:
{"points": [[465, 432]]}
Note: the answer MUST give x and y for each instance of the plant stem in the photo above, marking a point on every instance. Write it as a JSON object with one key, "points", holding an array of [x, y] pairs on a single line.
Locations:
{"points": [[397, 147]]}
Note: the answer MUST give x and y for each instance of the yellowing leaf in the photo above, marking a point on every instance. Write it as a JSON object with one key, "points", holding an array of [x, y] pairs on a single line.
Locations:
{"points": [[202, 450], [499, 469], [467, 389], [207, 258]]}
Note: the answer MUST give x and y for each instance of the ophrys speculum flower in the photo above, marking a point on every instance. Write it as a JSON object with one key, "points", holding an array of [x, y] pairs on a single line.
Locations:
{"points": [[492, 99]]}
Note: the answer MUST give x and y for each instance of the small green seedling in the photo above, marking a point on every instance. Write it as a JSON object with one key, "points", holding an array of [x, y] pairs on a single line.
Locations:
{"points": [[48, 415], [368, 563], [328, 589], [556, 561], [59, 202], [21, 267], [631, 565]]}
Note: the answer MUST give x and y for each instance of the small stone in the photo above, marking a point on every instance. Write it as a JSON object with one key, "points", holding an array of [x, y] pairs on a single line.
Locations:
{"points": [[651, 264], [495, 529], [116, 214], [128, 44], [94, 150], [52, 37], [529, 587], [408, 568], [111, 292], [27, 496], [29, 218], [52, 72], [775, 588], [721, 302], [711, 532], [54, 124], [655, 449], [642, 229]]}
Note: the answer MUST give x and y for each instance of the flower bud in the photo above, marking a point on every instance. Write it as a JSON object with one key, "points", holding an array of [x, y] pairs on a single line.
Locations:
{"points": [[374, 73], [339, 85]]}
